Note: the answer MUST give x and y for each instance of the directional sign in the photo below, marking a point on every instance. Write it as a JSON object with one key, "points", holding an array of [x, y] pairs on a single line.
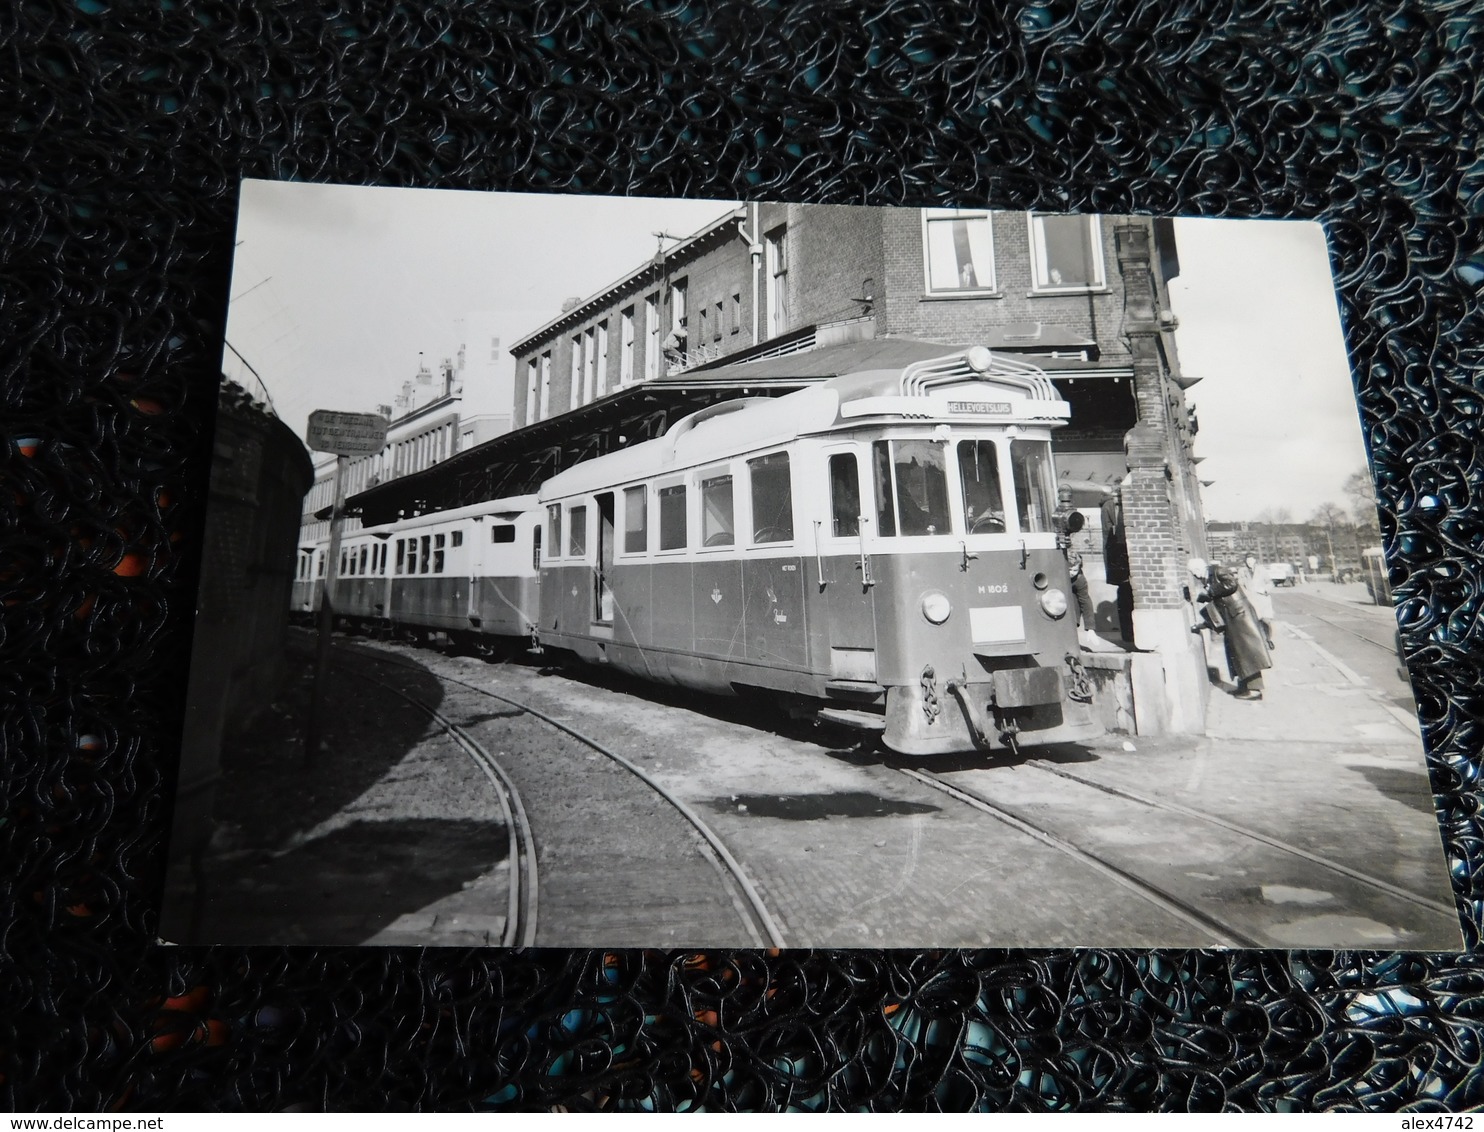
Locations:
{"points": [[346, 434]]}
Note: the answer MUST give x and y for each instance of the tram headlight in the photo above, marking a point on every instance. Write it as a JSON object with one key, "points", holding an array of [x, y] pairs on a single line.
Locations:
{"points": [[936, 607], [1054, 602]]}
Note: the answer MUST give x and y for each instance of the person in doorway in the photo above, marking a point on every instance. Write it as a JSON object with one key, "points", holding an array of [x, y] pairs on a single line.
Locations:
{"points": [[1257, 586], [1226, 610], [1085, 608], [1115, 558]]}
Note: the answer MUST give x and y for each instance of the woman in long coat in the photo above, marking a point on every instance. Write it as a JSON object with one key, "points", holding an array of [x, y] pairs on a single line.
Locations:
{"points": [[1258, 588], [1228, 612]]}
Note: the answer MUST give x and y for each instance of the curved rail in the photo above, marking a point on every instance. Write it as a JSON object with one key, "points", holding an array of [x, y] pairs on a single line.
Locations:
{"points": [[520, 917], [763, 917], [1222, 935], [1255, 835]]}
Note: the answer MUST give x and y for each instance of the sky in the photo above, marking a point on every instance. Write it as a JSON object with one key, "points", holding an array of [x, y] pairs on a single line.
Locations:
{"points": [[336, 290]]}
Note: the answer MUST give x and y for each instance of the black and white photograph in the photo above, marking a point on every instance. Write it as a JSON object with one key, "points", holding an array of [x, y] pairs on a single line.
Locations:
{"points": [[627, 572]]}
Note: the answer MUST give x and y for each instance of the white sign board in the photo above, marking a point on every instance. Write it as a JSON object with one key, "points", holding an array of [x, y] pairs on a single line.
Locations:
{"points": [[346, 434]]}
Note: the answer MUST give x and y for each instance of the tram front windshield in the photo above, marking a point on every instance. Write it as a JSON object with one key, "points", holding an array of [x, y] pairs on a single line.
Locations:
{"points": [[911, 487], [911, 482], [1035, 485]]}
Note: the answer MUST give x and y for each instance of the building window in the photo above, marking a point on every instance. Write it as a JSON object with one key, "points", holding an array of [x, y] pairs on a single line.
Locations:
{"points": [[716, 322], [775, 252], [958, 251], [677, 307], [600, 359], [1066, 253], [702, 322], [635, 520], [545, 408], [652, 336], [736, 311], [574, 392], [626, 347]]}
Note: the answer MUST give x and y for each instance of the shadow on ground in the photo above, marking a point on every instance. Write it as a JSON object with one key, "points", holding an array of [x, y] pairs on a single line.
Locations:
{"points": [[344, 887]]}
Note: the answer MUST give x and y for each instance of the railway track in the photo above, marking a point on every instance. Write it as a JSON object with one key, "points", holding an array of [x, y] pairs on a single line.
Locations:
{"points": [[520, 917], [758, 919], [1218, 933], [1388, 647]]}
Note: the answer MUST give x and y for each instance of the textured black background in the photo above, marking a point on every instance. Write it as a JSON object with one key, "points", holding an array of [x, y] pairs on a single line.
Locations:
{"points": [[124, 128]]}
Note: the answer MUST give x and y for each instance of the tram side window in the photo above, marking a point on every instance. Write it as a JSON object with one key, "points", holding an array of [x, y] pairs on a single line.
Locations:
{"points": [[437, 554], [717, 526], [912, 487], [672, 517], [343, 559], [979, 473], [554, 528], [772, 498], [456, 539], [401, 555], [425, 559], [536, 547], [1035, 486], [845, 495], [503, 532], [320, 557], [365, 556], [577, 532], [635, 520]]}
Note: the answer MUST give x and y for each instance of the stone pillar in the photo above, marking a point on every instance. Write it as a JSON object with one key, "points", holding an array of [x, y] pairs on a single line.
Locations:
{"points": [[1170, 693]]}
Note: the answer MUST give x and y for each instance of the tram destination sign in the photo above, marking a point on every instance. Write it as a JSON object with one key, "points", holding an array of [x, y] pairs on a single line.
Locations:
{"points": [[346, 434], [980, 408]]}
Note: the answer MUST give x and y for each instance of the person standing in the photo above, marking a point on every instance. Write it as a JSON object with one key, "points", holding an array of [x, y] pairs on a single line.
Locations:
{"points": [[1226, 610], [1085, 611], [1115, 559], [1258, 587]]}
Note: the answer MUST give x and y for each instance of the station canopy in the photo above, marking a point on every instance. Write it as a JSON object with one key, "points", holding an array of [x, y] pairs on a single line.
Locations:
{"points": [[518, 462]]}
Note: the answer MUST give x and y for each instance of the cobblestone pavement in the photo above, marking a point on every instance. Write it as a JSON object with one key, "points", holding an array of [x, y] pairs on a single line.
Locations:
{"points": [[848, 851]]}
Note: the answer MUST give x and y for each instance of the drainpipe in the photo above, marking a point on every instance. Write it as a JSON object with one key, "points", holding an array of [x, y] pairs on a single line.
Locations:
{"points": [[755, 249]]}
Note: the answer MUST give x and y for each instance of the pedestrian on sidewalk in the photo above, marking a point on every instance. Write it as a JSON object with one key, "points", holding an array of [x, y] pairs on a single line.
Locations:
{"points": [[1226, 610], [1258, 587], [1116, 561]]}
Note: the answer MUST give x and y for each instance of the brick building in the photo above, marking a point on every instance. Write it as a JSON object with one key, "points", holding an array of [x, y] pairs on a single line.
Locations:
{"points": [[1085, 297]]}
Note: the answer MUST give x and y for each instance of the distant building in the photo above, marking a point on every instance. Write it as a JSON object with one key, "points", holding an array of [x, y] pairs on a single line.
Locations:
{"points": [[459, 403]]}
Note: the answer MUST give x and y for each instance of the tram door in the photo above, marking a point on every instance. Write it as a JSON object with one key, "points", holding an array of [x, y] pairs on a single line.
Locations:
{"points": [[602, 587], [846, 635]]}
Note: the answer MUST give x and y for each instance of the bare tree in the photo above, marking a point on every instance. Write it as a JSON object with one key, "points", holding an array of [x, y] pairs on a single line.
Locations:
{"points": [[1362, 492], [1327, 516]]}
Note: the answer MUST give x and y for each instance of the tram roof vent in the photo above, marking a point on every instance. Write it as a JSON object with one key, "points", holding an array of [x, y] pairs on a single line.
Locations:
{"points": [[977, 364]]}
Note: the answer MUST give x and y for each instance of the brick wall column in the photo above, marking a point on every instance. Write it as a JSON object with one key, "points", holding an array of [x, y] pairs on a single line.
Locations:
{"points": [[1158, 516]]}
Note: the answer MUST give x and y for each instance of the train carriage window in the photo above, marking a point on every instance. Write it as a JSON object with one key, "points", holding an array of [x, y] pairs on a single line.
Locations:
{"points": [[401, 555], [635, 520], [438, 554], [365, 557], [577, 532], [344, 555], [845, 495], [456, 539], [979, 474], [536, 547], [412, 556], [672, 517], [425, 559], [912, 487], [504, 532], [554, 528], [1035, 486], [717, 524], [772, 498], [320, 558]]}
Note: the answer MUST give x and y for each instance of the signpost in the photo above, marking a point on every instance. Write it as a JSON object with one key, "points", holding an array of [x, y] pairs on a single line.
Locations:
{"points": [[346, 435]]}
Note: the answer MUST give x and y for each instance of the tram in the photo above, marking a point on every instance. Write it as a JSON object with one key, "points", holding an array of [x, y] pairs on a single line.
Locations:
{"points": [[880, 550]]}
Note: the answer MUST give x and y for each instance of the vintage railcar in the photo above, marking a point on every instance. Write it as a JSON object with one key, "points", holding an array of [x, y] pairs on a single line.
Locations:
{"points": [[471, 573], [881, 549]]}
